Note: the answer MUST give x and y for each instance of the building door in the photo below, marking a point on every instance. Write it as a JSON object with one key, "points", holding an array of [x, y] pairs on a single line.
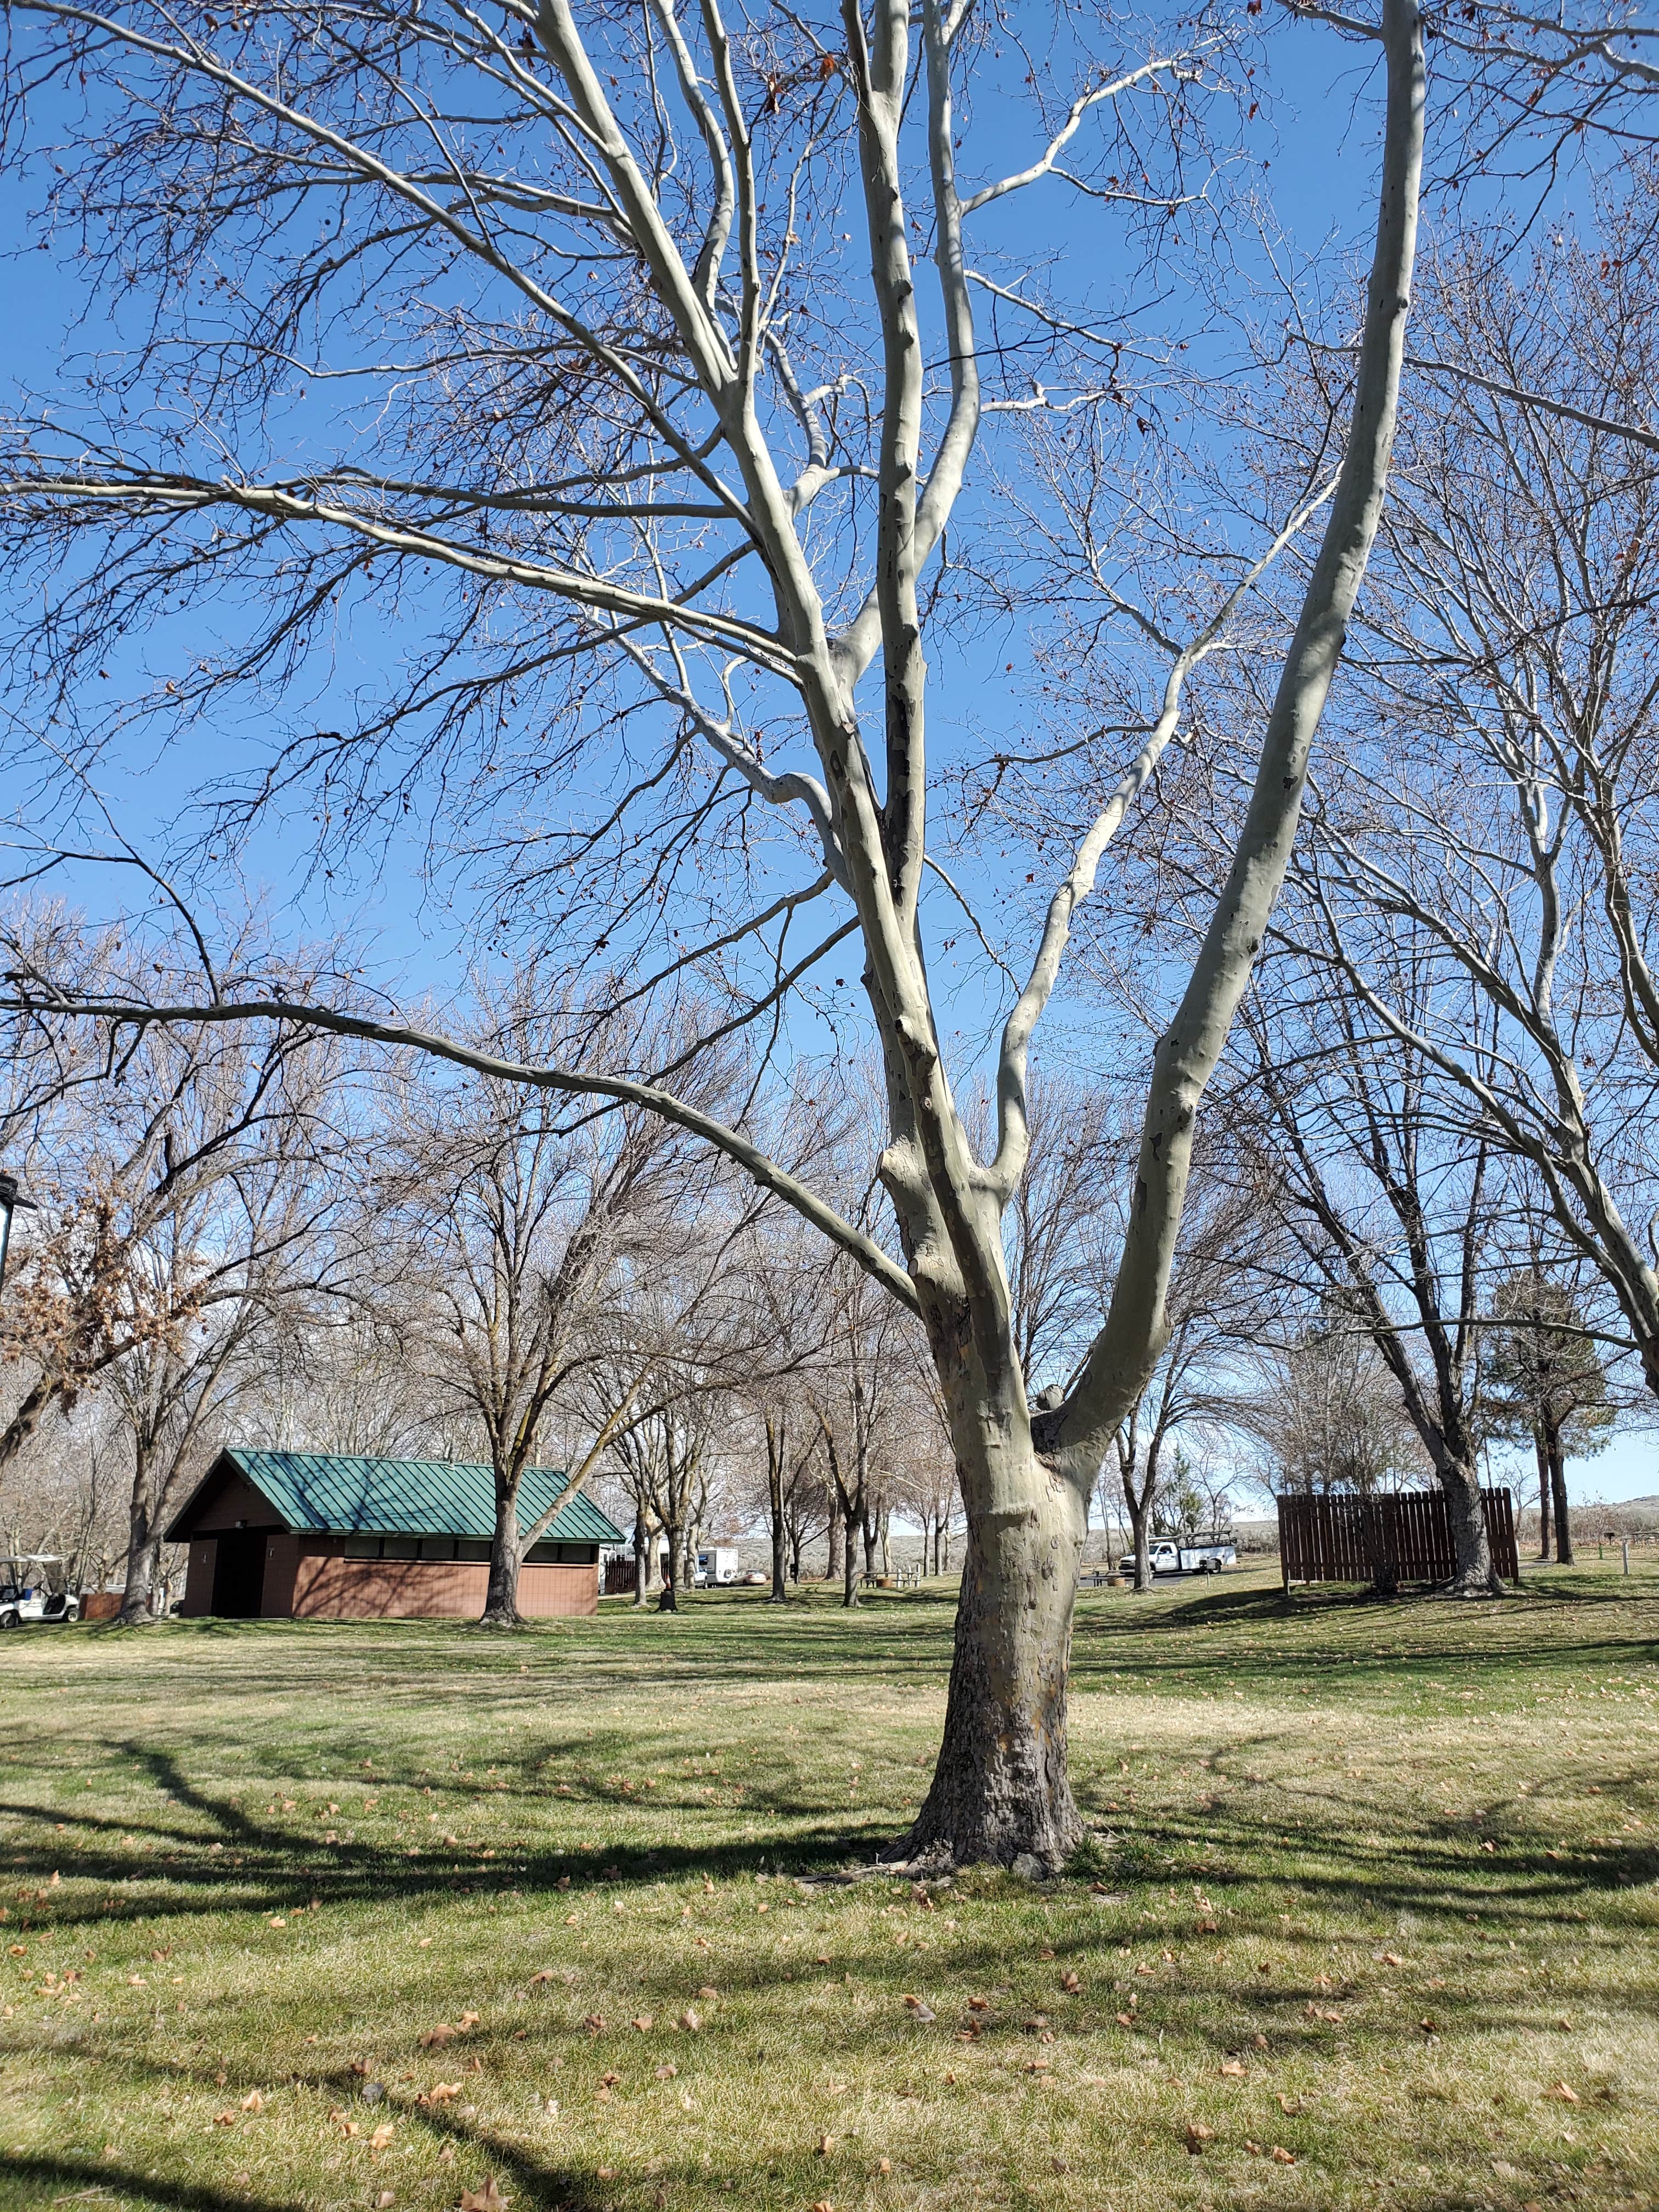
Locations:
{"points": [[238, 1575]]}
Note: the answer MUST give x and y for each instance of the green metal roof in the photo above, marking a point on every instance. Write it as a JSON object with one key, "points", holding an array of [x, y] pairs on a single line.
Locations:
{"points": [[340, 1494]]}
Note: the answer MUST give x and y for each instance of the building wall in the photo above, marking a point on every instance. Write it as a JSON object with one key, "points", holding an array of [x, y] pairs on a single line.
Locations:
{"points": [[198, 1577], [327, 1586], [235, 1502]]}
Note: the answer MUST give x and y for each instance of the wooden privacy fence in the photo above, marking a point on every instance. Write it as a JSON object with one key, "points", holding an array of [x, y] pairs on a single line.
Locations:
{"points": [[1406, 1538]]}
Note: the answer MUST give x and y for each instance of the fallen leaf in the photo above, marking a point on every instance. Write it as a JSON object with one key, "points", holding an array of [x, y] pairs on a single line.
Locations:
{"points": [[1036, 2066], [1563, 2095], [489, 2198], [1235, 2066], [642, 2022], [1197, 2136], [709, 1992], [381, 2138], [435, 2038], [386, 2197], [979, 2004], [253, 2102], [666, 2073], [918, 2008], [225, 2119], [467, 2020], [442, 2092], [1071, 1984], [690, 2019], [1288, 2105], [1281, 2156], [826, 2144], [542, 1974], [1209, 1926], [594, 2023], [1125, 2020]]}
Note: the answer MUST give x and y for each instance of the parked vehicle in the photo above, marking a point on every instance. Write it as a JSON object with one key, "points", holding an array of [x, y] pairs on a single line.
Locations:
{"points": [[718, 1564], [22, 1601], [1185, 1555]]}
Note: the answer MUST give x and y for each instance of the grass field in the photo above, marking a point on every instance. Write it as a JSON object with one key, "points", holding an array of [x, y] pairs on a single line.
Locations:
{"points": [[322, 1916]]}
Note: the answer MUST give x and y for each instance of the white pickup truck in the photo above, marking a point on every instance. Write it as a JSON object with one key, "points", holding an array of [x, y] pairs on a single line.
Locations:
{"points": [[1197, 1555]]}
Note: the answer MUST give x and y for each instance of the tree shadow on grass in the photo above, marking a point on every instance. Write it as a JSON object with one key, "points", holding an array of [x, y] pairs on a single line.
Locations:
{"points": [[101, 2180], [260, 1864]]}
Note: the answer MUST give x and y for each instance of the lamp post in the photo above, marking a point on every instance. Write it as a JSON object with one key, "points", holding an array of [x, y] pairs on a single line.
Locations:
{"points": [[11, 1199]]}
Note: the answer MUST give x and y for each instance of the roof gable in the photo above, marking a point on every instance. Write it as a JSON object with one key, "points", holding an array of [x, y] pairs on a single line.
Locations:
{"points": [[341, 1494]]}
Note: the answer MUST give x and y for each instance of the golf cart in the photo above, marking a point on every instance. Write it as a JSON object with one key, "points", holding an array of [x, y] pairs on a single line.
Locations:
{"points": [[25, 1599]]}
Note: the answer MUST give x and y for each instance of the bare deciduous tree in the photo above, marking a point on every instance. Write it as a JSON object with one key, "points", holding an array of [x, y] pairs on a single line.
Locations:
{"points": [[689, 482]]}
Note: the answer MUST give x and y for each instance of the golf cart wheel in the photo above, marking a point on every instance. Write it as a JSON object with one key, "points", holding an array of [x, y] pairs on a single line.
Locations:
{"points": [[9, 1619]]}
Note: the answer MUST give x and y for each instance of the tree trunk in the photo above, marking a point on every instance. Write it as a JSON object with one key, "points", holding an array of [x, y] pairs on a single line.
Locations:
{"points": [[1559, 1488], [774, 1462], [642, 1559], [1140, 1512], [1545, 1501], [144, 1554], [832, 1573], [870, 1533], [849, 1557], [678, 1577], [501, 1609], [1000, 1790], [1473, 1574]]}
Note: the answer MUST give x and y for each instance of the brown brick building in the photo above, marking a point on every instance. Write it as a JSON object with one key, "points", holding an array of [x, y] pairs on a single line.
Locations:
{"points": [[321, 1537]]}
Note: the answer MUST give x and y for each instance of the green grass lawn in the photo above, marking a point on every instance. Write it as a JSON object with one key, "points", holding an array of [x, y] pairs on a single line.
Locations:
{"points": [[324, 1916]]}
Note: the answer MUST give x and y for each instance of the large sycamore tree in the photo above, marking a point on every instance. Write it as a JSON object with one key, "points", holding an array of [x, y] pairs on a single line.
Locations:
{"points": [[580, 370]]}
